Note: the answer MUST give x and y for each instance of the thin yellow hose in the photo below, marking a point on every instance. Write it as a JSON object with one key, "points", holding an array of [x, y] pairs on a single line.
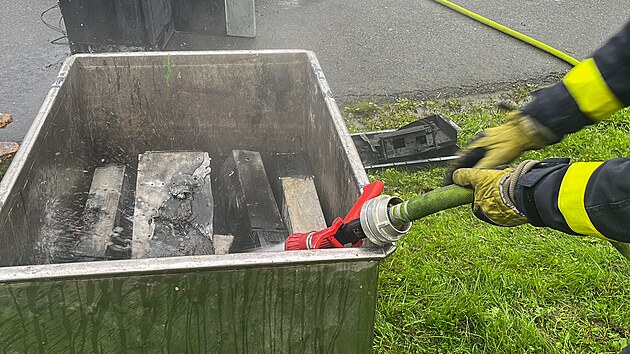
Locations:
{"points": [[510, 32]]}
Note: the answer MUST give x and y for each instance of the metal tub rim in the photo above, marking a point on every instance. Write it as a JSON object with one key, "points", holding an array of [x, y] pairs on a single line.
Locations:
{"points": [[148, 266]]}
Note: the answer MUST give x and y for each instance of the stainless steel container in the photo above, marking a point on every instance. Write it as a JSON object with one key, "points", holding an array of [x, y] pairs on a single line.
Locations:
{"points": [[108, 108]]}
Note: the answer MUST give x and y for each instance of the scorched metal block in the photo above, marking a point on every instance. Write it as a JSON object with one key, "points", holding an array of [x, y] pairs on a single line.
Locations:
{"points": [[249, 203], [174, 205]]}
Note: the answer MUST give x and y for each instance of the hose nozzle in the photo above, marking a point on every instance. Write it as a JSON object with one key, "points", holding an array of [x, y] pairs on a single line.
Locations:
{"points": [[376, 223]]}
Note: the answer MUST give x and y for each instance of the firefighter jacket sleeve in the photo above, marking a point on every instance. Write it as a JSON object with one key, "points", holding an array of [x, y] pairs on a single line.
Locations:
{"points": [[590, 92], [582, 198]]}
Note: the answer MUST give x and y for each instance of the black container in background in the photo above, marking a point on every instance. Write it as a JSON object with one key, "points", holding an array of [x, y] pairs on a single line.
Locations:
{"points": [[117, 25], [199, 16]]}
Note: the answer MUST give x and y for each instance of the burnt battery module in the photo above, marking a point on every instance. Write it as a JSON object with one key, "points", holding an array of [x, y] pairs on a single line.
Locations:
{"points": [[247, 205], [174, 205], [430, 138]]}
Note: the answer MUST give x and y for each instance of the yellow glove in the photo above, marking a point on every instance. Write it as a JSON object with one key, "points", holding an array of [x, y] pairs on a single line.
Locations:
{"points": [[493, 196], [502, 144]]}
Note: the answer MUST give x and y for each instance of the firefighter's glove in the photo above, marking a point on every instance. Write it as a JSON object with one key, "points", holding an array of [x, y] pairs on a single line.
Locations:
{"points": [[494, 192], [502, 144]]}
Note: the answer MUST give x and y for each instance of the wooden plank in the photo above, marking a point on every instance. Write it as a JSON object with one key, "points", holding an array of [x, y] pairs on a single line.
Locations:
{"points": [[301, 210], [240, 18], [294, 188], [174, 205], [102, 214], [285, 164], [222, 243]]}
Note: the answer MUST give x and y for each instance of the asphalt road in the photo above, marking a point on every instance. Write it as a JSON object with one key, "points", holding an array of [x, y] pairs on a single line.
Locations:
{"points": [[379, 49], [369, 49], [29, 63]]}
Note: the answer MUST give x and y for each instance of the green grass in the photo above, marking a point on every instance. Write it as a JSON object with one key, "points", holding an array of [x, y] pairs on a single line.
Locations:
{"points": [[4, 166], [458, 285]]}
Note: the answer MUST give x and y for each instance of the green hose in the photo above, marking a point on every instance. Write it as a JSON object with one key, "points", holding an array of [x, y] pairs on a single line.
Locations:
{"points": [[510, 32], [429, 203], [446, 198]]}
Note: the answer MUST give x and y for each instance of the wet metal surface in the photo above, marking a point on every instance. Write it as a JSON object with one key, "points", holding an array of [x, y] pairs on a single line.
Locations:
{"points": [[62, 227], [322, 308]]}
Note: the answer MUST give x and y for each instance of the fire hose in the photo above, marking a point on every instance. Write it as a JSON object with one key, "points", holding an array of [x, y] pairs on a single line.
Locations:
{"points": [[382, 219], [385, 219]]}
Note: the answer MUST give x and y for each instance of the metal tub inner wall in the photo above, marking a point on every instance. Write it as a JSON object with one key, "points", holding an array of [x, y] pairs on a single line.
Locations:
{"points": [[108, 108]]}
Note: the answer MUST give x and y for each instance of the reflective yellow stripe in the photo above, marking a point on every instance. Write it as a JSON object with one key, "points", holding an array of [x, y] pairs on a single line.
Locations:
{"points": [[590, 91], [571, 198]]}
